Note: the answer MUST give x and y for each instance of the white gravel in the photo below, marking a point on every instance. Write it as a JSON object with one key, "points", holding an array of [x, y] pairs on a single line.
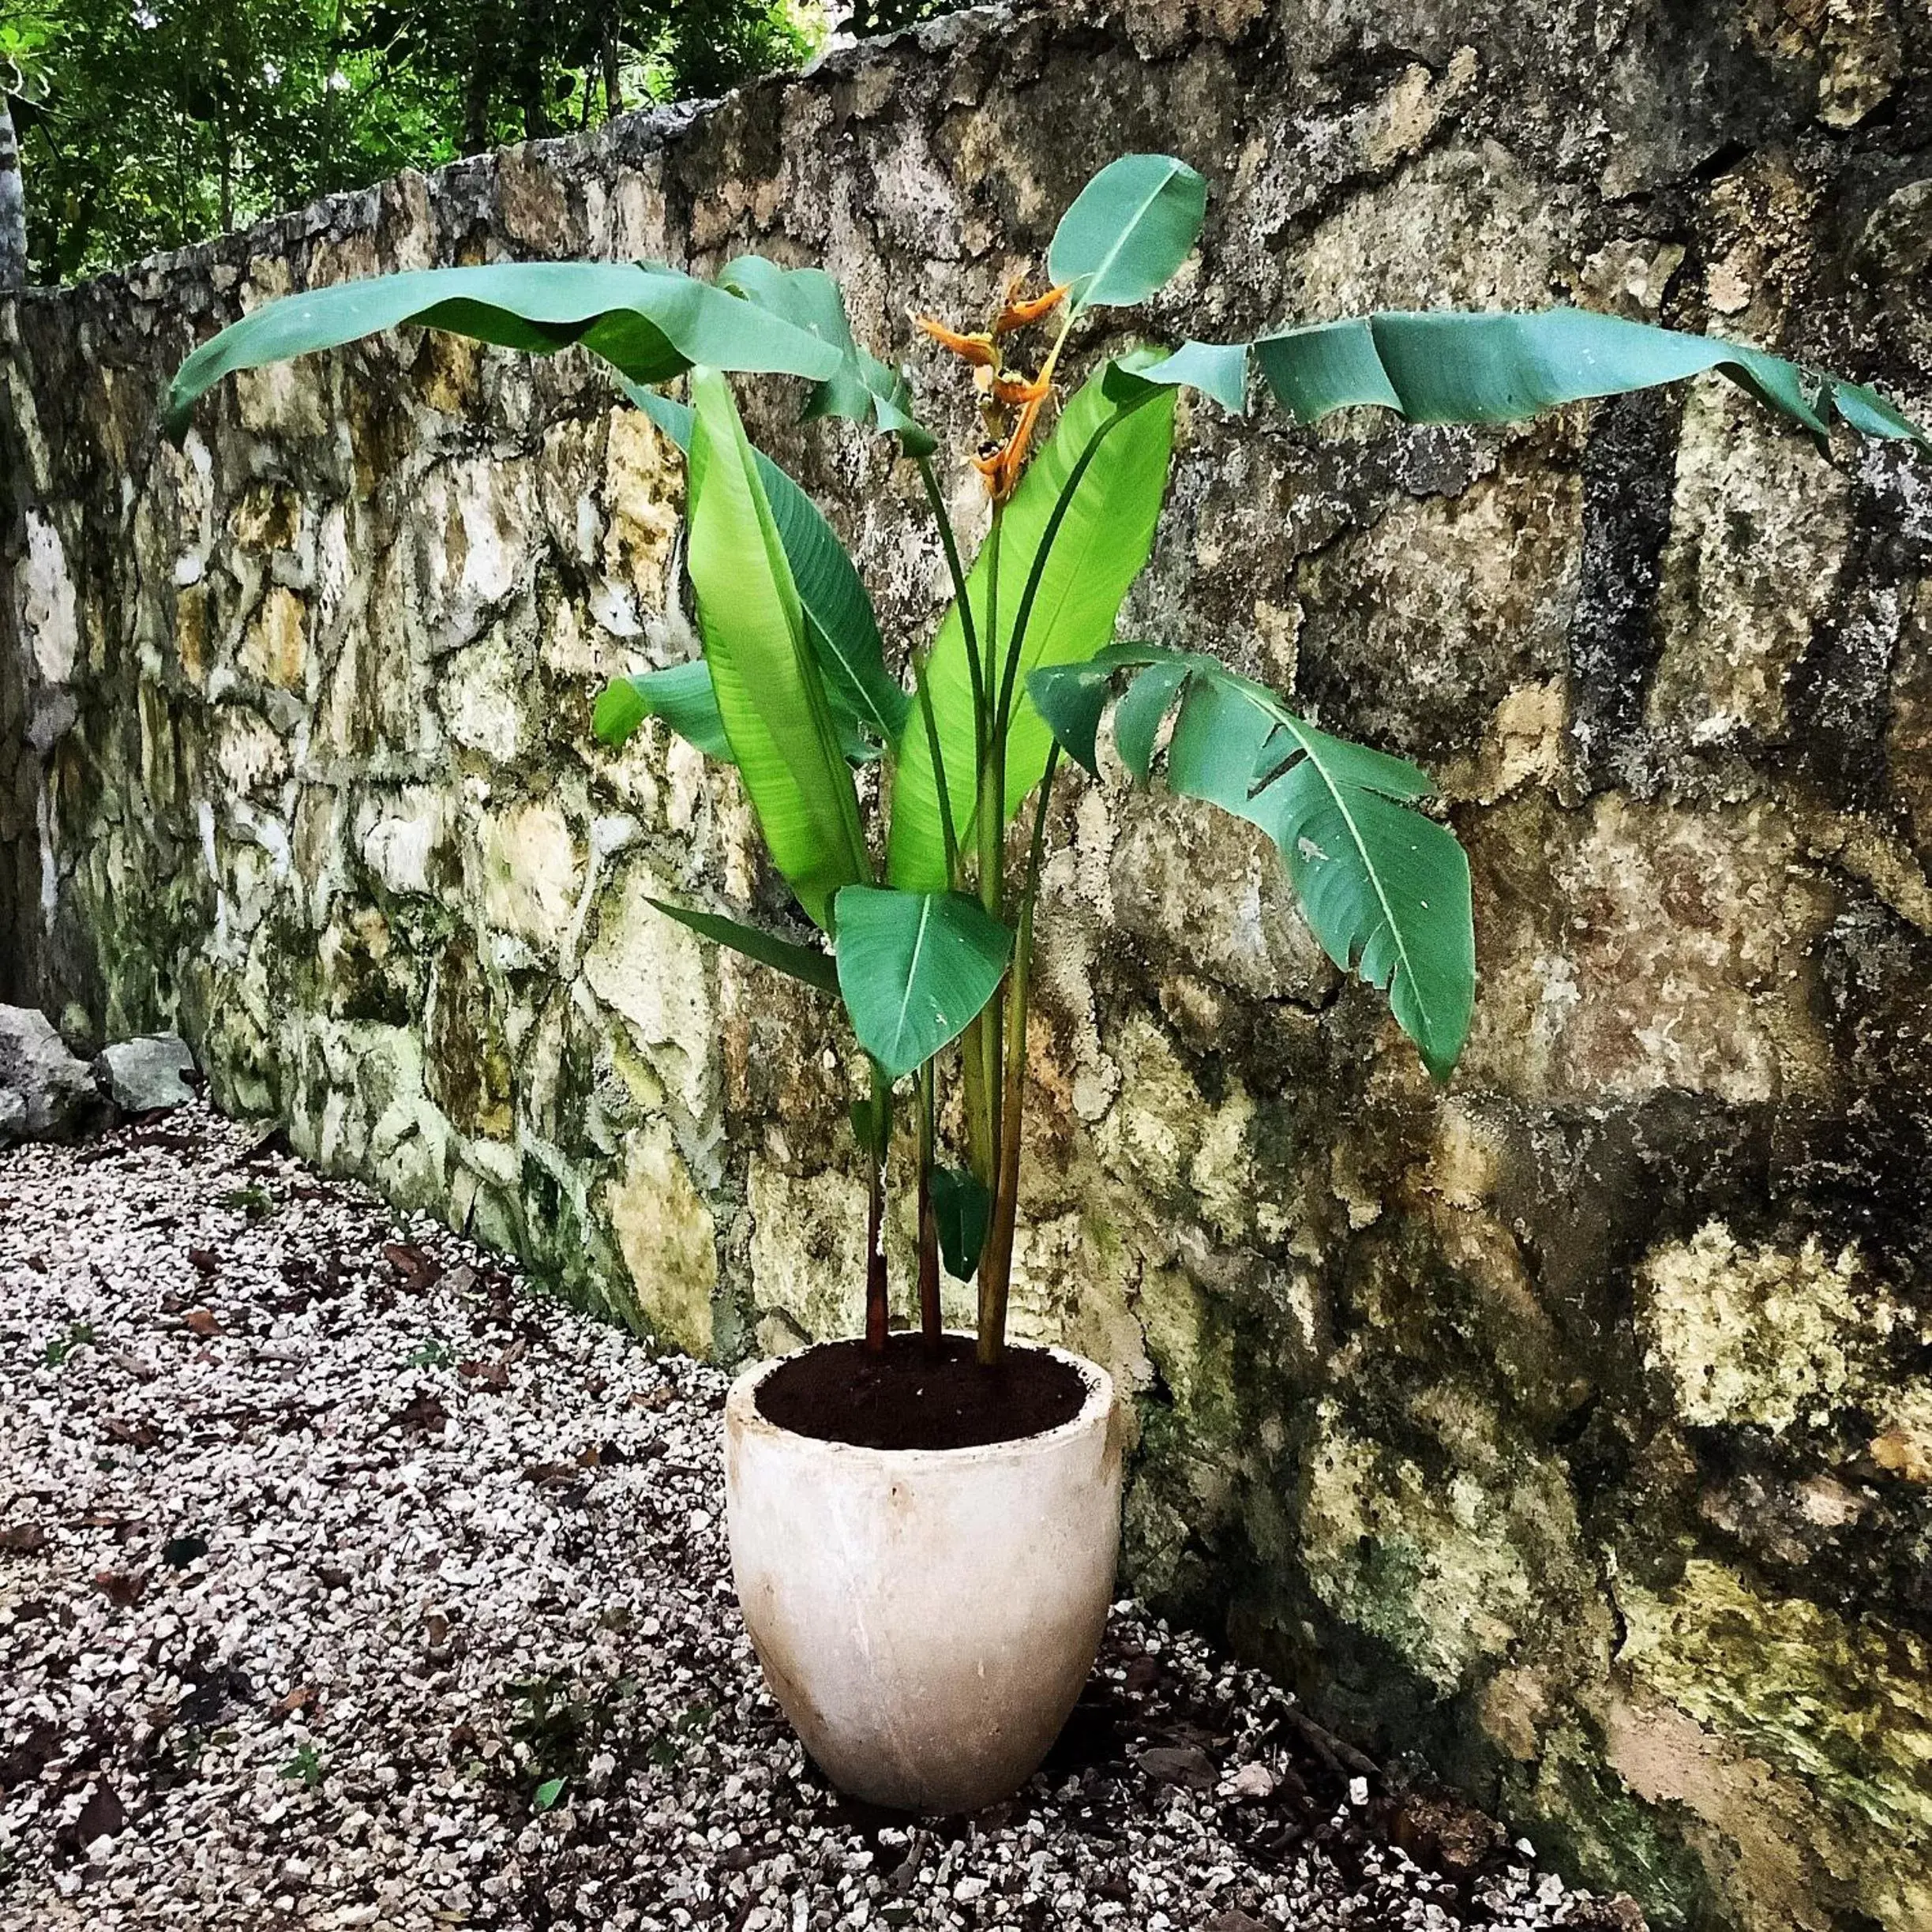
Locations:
{"points": [[346, 1581]]}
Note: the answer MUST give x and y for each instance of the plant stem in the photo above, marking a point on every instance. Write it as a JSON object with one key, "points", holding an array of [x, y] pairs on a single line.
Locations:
{"points": [[930, 1325], [997, 1263], [878, 1311], [988, 822]]}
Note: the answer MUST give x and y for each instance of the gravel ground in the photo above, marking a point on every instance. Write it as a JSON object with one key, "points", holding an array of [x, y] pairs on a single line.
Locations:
{"points": [[345, 1582]]}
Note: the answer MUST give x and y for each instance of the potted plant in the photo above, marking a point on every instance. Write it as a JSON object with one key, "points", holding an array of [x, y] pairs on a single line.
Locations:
{"points": [[923, 1525]]}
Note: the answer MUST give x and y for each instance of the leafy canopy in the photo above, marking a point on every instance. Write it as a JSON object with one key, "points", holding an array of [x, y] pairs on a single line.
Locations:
{"points": [[151, 124]]}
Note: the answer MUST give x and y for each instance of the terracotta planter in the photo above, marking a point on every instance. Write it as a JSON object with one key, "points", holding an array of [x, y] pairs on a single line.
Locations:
{"points": [[925, 1618]]}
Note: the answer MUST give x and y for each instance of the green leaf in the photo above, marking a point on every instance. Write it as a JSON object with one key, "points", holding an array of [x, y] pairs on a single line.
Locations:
{"points": [[802, 963], [650, 323], [1131, 227], [839, 620], [681, 694], [962, 1208], [770, 696], [1386, 889], [549, 1792], [1467, 365], [1104, 540], [1218, 369], [914, 968], [863, 390]]}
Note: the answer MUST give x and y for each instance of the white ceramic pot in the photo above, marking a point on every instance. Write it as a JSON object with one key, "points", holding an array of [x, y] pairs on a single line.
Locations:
{"points": [[925, 1617]]}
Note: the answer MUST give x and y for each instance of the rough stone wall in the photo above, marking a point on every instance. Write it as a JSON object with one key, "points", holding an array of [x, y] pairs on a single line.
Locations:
{"points": [[1573, 1426]]}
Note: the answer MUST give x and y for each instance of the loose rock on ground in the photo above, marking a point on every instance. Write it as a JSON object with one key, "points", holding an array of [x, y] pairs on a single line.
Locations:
{"points": [[347, 1581]]}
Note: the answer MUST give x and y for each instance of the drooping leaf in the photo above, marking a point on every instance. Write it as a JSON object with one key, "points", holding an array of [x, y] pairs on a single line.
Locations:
{"points": [[1103, 541], [816, 968], [1386, 889], [650, 323], [1218, 369], [839, 619], [1468, 365], [963, 1208], [1128, 229], [863, 390], [771, 694], [914, 968], [681, 694]]}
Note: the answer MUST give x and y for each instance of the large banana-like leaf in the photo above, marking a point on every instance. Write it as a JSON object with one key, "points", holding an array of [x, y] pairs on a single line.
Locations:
{"points": [[839, 621], [800, 962], [681, 694], [770, 696], [1102, 542], [649, 323], [1483, 365], [1128, 229], [864, 390], [1386, 889], [915, 968]]}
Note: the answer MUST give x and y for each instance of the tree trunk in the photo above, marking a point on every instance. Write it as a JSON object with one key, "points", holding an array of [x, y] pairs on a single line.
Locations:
{"points": [[610, 38], [12, 205]]}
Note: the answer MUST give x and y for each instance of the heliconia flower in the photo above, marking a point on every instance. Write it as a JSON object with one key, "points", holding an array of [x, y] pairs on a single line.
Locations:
{"points": [[1016, 312], [977, 349], [1001, 465]]}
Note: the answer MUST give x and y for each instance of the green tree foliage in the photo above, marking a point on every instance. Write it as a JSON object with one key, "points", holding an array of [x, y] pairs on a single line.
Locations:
{"points": [[151, 124], [866, 17]]}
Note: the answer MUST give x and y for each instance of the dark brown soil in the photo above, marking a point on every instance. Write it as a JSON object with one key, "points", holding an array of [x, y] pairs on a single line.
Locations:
{"points": [[910, 1398]]}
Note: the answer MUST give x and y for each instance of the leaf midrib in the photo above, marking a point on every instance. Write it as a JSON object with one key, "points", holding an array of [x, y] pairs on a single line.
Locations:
{"points": [[912, 973], [1296, 728], [1120, 241]]}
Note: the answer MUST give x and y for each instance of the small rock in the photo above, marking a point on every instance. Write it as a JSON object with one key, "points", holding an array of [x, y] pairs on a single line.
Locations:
{"points": [[45, 1092], [1252, 1781], [143, 1074]]}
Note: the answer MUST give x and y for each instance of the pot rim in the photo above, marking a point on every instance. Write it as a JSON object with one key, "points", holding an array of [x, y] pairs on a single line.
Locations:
{"points": [[742, 1411]]}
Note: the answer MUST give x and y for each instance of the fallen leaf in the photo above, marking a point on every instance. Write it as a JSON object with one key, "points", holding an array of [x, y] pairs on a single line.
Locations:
{"points": [[36, 1749], [202, 1322], [1444, 1833], [102, 1816], [139, 1433], [418, 1270], [492, 1374], [204, 1261], [1183, 1764], [300, 1698], [552, 1474], [122, 1588], [23, 1537], [424, 1411]]}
